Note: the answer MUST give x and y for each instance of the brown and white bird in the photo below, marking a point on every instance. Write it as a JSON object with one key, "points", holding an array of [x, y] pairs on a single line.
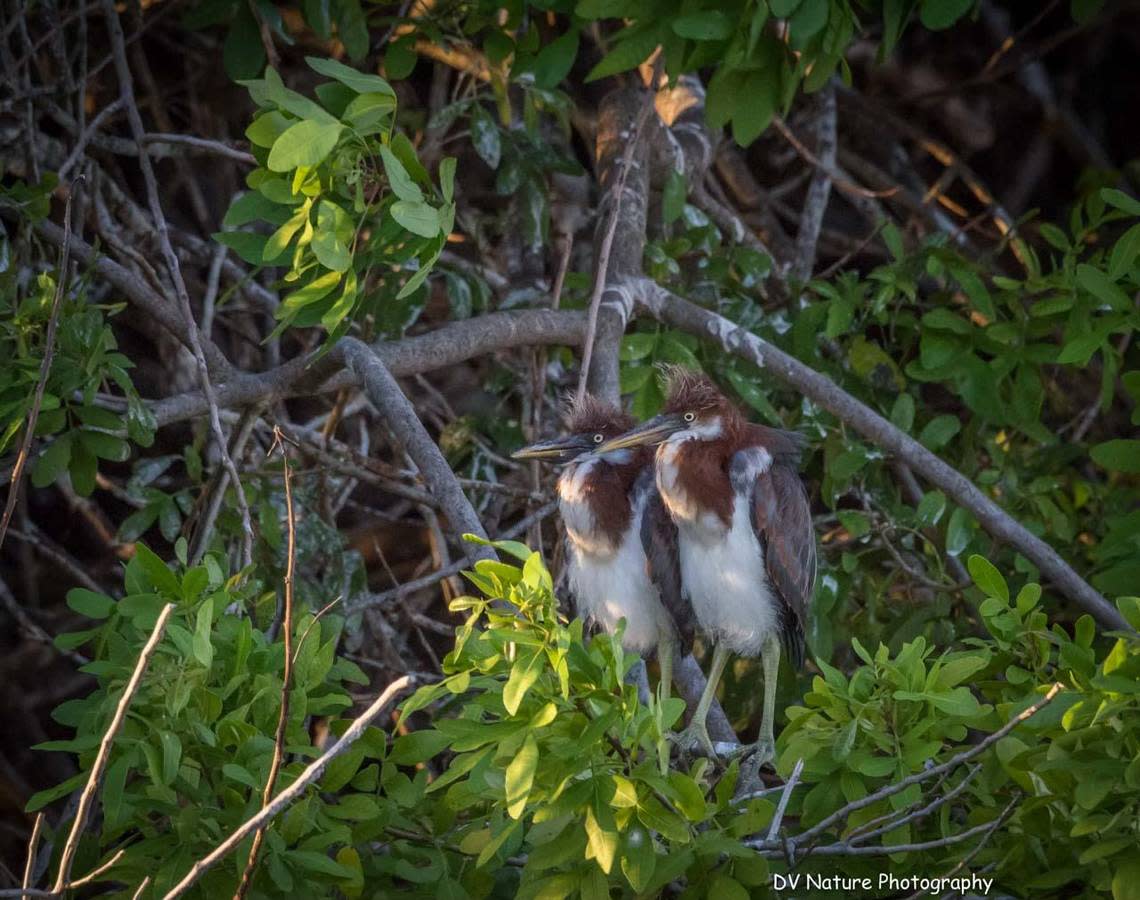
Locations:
{"points": [[745, 542], [616, 570]]}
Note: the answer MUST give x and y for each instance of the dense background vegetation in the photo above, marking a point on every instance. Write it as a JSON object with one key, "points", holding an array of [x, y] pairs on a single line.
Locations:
{"points": [[907, 228]]}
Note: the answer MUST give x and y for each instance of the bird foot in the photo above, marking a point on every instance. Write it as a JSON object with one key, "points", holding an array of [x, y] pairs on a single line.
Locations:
{"points": [[753, 758], [694, 740]]}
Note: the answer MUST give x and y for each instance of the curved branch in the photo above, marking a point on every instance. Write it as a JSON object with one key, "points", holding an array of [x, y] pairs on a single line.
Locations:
{"points": [[385, 394], [454, 343], [668, 307]]}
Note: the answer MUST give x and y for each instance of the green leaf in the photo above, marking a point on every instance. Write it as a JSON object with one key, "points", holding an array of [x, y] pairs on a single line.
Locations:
{"points": [[53, 462], [90, 604], [555, 60], [939, 431], [305, 144], [1124, 253], [520, 777], [83, 468], [673, 196], [959, 531], [1120, 455], [706, 25], [418, 746], [939, 14], [1100, 286], [485, 137], [931, 507], [601, 841], [781, 9], [171, 756], [902, 413], [1126, 879], [723, 887], [203, 647], [637, 42], [988, 578], [447, 178], [249, 247], [1121, 201], [524, 673], [399, 180], [417, 217], [105, 446], [361, 82]]}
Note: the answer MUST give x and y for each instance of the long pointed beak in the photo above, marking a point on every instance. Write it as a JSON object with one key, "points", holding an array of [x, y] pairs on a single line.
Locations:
{"points": [[654, 431], [557, 449]]}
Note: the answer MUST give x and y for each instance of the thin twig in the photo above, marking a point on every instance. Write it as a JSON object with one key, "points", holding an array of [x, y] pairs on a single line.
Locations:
{"points": [[190, 324], [842, 183], [33, 843], [311, 773], [781, 807], [287, 674], [45, 364], [87, 798], [603, 263]]}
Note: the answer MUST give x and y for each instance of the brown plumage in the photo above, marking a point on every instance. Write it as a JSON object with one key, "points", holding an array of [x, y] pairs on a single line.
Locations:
{"points": [[743, 532]]}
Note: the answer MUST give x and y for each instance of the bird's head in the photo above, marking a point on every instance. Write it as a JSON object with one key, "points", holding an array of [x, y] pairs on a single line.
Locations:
{"points": [[589, 424], [694, 410]]}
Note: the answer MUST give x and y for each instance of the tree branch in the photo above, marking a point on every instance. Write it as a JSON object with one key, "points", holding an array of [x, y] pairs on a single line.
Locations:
{"points": [[385, 394]]}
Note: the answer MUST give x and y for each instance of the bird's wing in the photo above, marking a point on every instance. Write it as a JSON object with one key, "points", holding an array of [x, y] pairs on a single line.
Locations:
{"points": [[781, 518], [659, 541]]}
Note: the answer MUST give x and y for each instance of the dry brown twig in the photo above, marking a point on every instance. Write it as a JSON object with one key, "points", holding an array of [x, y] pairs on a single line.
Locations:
{"points": [[279, 442], [45, 365], [606, 247]]}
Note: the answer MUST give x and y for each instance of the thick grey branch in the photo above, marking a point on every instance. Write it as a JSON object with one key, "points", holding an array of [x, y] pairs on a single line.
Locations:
{"points": [[385, 394]]}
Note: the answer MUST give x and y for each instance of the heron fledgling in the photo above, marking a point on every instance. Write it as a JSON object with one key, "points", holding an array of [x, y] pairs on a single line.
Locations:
{"points": [[602, 497], [745, 540]]}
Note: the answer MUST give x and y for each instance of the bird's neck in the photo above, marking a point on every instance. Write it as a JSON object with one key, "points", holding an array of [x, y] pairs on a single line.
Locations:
{"points": [[594, 498], [692, 477]]}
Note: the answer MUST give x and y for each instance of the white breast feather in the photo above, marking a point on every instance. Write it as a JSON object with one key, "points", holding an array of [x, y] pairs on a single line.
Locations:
{"points": [[610, 582], [722, 569]]}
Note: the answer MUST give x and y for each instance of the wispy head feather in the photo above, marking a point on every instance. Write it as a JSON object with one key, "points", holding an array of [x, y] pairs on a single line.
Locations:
{"points": [[687, 390], [594, 416]]}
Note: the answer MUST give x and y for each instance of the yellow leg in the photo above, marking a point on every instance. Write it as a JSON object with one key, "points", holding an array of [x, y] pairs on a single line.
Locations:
{"points": [[697, 734], [665, 651]]}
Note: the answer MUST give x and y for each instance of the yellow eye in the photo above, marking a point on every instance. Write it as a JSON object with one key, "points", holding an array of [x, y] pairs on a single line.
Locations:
{"points": [[690, 416]]}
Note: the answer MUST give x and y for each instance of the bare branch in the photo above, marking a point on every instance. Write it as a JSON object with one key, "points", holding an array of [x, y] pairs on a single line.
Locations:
{"points": [[385, 394], [287, 672]]}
